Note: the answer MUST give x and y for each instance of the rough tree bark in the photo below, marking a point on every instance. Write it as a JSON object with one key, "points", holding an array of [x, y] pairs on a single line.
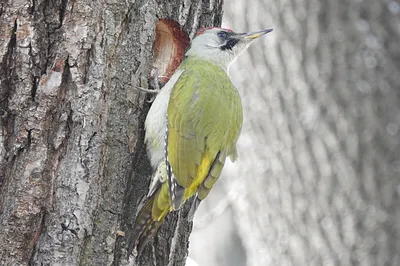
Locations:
{"points": [[72, 167], [318, 174]]}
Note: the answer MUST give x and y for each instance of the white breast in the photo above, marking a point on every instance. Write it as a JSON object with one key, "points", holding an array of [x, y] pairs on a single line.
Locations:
{"points": [[155, 123]]}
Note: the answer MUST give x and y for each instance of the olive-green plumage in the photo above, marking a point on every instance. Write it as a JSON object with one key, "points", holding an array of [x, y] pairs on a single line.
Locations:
{"points": [[204, 119], [204, 122], [191, 128]]}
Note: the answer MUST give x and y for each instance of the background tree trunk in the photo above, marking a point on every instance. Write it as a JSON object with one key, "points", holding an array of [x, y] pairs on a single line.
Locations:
{"points": [[317, 180], [72, 167]]}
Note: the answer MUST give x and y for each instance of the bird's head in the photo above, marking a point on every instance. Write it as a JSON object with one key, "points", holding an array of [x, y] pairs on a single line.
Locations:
{"points": [[221, 46]]}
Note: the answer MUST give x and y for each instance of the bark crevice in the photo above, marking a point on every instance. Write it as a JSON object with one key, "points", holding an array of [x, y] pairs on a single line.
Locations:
{"points": [[73, 164]]}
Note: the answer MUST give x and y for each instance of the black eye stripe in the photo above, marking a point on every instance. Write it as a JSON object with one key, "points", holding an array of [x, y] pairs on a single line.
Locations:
{"points": [[229, 44]]}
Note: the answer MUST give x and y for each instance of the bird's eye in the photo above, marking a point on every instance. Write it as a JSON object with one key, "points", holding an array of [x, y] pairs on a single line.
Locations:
{"points": [[221, 34]]}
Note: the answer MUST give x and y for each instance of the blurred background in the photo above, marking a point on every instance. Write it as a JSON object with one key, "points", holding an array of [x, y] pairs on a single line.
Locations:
{"points": [[317, 181]]}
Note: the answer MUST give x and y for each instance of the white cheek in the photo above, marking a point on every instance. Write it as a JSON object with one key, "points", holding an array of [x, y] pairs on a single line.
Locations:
{"points": [[239, 49]]}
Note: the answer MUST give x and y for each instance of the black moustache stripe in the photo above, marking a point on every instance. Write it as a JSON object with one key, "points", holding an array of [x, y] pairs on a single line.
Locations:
{"points": [[229, 44]]}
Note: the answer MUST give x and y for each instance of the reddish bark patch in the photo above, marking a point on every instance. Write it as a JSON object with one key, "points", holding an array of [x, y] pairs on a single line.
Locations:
{"points": [[58, 65], [169, 47]]}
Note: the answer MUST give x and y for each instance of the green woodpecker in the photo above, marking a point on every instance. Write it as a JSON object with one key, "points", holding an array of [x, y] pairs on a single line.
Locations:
{"points": [[191, 128]]}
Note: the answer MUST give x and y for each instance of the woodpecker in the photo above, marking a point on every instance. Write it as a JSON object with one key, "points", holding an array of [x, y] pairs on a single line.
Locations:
{"points": [[191, 128]]}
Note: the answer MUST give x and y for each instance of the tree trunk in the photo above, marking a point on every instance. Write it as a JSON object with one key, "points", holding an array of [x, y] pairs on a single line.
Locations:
{"points": [[318, 171], [73, 166]]}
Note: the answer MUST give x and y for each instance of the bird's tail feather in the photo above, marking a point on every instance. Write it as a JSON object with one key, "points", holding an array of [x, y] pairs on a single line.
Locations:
{"points": [[144, 228], [147, 234]]}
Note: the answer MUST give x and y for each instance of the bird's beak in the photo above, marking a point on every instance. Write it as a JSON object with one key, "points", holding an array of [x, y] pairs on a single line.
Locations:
{"points": [[254, 35]]}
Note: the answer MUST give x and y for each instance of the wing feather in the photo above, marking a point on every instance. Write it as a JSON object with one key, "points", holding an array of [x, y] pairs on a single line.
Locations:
{"points": [[205, 119]]}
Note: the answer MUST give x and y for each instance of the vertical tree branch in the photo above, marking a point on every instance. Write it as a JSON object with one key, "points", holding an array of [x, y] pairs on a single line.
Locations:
{"points": [[72, 167]]}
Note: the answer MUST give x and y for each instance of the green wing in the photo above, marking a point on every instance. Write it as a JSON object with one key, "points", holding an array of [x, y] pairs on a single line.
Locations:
{"points": [[204, 119]]}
